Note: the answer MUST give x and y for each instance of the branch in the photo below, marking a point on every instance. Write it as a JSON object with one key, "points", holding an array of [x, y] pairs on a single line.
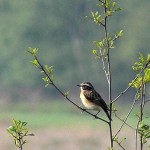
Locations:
{"points": [[121, 146], [127, 116], [141, 112], [147, 101], [146, 65], [124, 122], [108, 75], [99, 22], [63, 94], [136, 135], [104, 67]]}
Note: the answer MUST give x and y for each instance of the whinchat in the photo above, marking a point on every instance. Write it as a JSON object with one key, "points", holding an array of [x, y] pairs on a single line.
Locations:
{"points": [[92, 99]]}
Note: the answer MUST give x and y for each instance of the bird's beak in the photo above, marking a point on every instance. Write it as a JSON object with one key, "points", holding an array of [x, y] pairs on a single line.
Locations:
{"points": [[79, 85]]}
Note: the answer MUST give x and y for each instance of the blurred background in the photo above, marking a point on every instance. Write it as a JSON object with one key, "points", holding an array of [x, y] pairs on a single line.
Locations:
{"points": [[65, 39]]}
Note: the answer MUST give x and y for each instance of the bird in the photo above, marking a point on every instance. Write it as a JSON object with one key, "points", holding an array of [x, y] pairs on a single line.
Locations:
{"points": [[91, 99]]}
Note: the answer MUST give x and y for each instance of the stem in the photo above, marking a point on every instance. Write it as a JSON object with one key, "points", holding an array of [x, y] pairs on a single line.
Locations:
{"points": [[104, 67], [141, 112], [147, 101], [20, 143], [136, 136], [127, 116], [109, 73], [122, 120]]}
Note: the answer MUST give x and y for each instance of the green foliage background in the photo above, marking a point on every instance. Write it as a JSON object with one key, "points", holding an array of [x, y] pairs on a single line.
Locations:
{"points": [[59, 29]]}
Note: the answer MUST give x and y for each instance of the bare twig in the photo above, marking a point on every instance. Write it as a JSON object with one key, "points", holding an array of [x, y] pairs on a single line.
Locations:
{"points": [[147, 101], [19, 140], [121, 146], [124, 121], [104, 67], [99, 22], [136, 135]]}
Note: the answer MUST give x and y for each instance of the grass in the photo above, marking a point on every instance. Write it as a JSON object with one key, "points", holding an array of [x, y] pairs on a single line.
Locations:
{"points": [[47, 114], [58, 124], [53, 114]]}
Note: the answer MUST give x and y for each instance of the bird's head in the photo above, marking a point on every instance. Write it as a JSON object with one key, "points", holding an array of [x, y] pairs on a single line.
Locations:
{"points": [[86, 86]]}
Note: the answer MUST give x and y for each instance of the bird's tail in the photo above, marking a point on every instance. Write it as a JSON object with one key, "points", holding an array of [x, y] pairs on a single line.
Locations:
{"points": [[108, 115]]}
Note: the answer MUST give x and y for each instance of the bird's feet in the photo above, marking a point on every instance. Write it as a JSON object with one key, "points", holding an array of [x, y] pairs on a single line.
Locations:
{"points": [[96, 117], [83, 110]]}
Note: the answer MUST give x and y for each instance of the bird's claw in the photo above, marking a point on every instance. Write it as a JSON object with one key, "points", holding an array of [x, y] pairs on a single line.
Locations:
{"points": [[83, 110], [96, 117]]}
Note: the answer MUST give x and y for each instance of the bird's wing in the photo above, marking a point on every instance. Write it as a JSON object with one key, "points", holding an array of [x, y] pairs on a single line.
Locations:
{"points": [[95, 98]]}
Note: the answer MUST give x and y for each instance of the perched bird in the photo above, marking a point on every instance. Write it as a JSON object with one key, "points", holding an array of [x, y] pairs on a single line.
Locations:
{"points": [[92, 99]]}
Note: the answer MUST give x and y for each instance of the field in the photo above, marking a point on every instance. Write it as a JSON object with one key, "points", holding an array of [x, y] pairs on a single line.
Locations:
{"points": [[59, 125]]}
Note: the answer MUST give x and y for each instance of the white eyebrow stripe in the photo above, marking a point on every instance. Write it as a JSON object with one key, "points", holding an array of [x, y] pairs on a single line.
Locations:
{"points": [[86, 85]]}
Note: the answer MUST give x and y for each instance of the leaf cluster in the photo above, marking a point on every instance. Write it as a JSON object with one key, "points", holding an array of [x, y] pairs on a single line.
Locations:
{"points": [[18, 131], [108, 42], [142, 68], [144, 131], [47, 70], [103, 46], [111, 7]]}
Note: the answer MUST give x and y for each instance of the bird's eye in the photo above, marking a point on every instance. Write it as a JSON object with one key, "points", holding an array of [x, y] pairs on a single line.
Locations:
{"points": [[85, 87]]}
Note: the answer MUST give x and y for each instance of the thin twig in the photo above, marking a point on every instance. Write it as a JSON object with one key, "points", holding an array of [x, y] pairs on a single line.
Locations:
{"points": [[124, 121], [20, 143], [99, 22], [136, 135], [104, 66], [147, 101], [121, 146]]}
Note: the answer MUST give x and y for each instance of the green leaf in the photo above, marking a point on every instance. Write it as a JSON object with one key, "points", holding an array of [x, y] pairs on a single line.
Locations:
{"points": [[114, 4], [48, 69], [94, 51], [96, 13], [23, 123], [147, 75], [46, 79], [107, 3], [35, 62], [32, 51], [11, 129], [120, 33], [118, 9], [137, 83], [109, 13], [148, 58]]}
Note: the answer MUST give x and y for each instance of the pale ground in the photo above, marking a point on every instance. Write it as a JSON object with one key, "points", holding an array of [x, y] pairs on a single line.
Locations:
{"points": [[66, 139]]}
